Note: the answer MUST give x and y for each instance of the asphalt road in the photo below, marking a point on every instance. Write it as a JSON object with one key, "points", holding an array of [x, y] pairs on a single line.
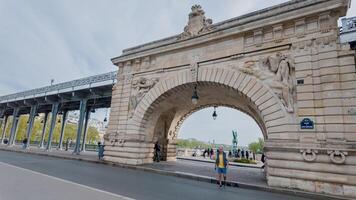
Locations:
{"points": [[25, 176]]}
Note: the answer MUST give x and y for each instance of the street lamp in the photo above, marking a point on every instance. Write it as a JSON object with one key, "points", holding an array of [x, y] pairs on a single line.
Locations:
{"points": [[214, 113], [195, 96]]}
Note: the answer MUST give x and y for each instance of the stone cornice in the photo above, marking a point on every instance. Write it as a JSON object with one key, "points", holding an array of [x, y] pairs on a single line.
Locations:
{"points": [[258, 19]]}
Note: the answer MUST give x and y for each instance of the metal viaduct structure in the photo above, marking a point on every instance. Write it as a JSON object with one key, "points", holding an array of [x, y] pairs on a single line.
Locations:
{"points": [[85, 95]]}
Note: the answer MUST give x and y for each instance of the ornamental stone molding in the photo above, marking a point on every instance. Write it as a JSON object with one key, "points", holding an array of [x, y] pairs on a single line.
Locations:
{"points": [[337, 156], [309, 155], [197, 23]]}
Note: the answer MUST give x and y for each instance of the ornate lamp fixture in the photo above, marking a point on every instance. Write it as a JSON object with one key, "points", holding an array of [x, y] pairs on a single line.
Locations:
{"points": [[195, 96], [214, 113]]}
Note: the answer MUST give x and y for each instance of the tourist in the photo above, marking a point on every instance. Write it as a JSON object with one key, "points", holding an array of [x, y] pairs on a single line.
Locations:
{"points": [[100, 151], [211, 153], [157, 152], [263, 160], [221, 164], [242, 153], [247, 155], [238, 153]]}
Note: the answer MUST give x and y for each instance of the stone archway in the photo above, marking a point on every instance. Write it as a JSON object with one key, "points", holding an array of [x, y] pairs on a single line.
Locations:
{"points": [[171, 96], [282, 65]]}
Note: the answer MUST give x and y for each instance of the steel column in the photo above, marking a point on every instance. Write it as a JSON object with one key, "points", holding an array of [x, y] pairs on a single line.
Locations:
{"points": [[4, 129], [87, 117], [30, 124], [54, 112], [82, 108], [44, 129], [64, 122], [13, 132]]}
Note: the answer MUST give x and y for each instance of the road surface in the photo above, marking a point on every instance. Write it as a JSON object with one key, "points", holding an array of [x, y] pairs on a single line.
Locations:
{"points": [[26, 176]]}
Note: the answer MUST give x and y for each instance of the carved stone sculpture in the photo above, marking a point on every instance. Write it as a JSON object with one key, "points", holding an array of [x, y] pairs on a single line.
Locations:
{"points": [[277, 72], [140, 87], [197, 23]]}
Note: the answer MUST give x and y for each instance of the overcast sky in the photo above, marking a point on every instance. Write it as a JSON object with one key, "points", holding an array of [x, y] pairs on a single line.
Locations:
{"points": [[63, 40]]}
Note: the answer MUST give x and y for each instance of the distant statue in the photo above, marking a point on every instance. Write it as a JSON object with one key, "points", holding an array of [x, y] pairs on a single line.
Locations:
{"points": [[234, 142]]}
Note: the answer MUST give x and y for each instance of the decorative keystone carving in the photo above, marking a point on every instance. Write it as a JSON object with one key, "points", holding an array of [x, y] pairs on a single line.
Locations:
{"points": [[309, 154], [337, 156], [197, 23], [140, 87]]}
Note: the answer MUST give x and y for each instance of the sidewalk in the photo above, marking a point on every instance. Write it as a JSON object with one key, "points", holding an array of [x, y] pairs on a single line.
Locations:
{"points": [[243, 177], [202, 159]]}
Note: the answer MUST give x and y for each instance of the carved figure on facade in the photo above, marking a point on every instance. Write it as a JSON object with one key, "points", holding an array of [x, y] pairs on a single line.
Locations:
{"points": [[140, 87], [197, 23], [277, 72]]}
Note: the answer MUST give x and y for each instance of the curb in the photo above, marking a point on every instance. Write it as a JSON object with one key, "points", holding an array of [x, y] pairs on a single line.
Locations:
{"points": [[196, 177], [210, 161]]}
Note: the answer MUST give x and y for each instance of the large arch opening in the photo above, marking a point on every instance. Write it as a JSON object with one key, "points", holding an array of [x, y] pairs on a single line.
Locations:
{"points": [[165, 120], [201, 131]]}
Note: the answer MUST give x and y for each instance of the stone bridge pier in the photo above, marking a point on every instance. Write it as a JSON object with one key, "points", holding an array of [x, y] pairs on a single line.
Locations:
{"points": [[284, 66]]}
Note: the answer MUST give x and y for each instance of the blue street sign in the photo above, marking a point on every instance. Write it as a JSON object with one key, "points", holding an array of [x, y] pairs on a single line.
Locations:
{"points": [[306, 123]]}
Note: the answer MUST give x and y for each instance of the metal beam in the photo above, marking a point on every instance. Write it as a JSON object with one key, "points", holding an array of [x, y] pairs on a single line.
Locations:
{"points": [[4, 129], [44, 129], [83, 105], [64, 122], [54, 112], [87, 117], [30, 124], [15, 120]]}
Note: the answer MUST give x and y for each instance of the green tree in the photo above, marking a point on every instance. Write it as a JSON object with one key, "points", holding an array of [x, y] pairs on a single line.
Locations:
{"points": [[257, 146], [69, 133]]}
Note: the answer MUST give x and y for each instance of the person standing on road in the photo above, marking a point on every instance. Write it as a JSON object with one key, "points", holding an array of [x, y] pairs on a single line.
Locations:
{"points": [[221, 164]]}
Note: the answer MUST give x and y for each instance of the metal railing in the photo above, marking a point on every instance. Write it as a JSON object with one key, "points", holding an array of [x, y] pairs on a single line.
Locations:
{"points": [[60, 86]]}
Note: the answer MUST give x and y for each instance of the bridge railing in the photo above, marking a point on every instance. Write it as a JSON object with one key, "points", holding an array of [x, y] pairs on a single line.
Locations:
{"points": [[70, 86]]}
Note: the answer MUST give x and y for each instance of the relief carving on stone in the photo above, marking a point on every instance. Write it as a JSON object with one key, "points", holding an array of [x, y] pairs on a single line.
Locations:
{"points": [[139, 88], [278, 73], [337, 156], [197, 23], [309, 154]]}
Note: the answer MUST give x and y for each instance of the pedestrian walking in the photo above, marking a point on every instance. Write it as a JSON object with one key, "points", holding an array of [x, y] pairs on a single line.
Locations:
{"points": [[100, 151], [157, 152], [221, 165], [67, 144], [24, 143], [263, 160], [242, 153], [247, 155], [211, 153]]}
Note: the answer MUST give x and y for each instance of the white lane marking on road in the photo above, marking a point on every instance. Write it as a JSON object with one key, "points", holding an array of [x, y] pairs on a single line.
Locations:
{"points": [[66, 181]]}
